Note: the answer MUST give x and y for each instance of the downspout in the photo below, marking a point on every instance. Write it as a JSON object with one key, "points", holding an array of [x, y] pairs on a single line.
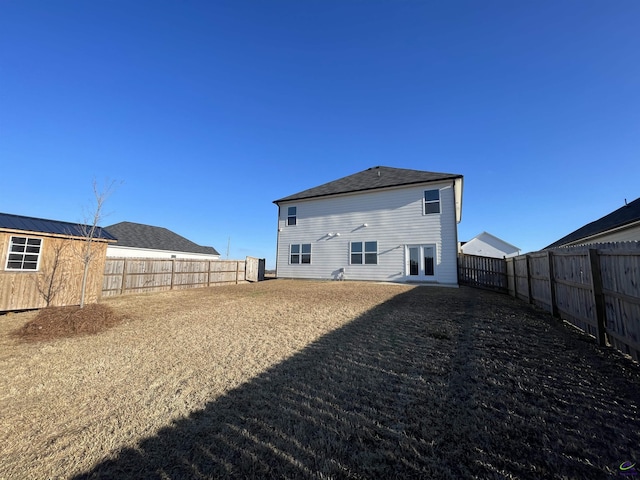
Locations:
{"points": [[455, 226], [278, 239]]}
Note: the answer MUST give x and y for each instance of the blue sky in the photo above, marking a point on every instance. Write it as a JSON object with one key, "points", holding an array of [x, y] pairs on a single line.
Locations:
{"points": [[207, 111]]}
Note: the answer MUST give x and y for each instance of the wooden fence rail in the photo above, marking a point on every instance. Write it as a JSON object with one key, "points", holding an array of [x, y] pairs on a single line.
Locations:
{"points": [[137, 275], [595, 288]]}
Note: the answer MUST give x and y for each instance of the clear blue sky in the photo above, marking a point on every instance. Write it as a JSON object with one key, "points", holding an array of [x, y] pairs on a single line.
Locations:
{"points": [[207, 111]]}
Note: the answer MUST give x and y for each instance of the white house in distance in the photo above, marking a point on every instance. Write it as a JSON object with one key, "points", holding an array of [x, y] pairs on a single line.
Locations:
{"points": [[382, 224], [487, 245], [146, 241]]}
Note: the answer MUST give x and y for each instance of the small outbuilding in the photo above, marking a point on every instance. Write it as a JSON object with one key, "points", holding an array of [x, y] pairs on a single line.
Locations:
{"points": [[41, 262], [487, 245]]}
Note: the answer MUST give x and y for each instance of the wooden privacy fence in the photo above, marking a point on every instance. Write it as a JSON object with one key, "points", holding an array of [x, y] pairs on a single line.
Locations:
{"points": [[137, 275], [484, 272], [595, 288]]}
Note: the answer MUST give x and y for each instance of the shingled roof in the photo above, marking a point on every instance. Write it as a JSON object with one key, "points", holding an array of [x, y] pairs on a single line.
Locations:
{"points": [[626, 215], [371, 179], [9, 221], [138, 235]]}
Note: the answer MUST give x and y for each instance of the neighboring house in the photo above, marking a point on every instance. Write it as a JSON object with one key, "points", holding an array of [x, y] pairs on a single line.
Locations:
{"points": [[42, 262], [383, 224], [487, 245], [621, 225], [146, 241]]}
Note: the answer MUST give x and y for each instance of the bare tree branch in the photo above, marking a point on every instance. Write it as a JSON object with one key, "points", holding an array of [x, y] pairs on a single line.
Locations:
{"points": [[51, 282], [90, 229]]}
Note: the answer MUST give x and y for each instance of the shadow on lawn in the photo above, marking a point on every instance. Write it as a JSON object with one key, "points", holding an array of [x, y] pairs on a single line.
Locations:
{"points": [[435, 383]]}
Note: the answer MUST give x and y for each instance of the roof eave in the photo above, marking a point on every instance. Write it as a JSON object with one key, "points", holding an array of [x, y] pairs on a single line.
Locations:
{"points": [[56, 235], [371, 189], [594, 236]]}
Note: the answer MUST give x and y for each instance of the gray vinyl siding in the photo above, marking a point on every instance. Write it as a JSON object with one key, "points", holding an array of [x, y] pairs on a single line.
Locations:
{"points": [[395, 219]]}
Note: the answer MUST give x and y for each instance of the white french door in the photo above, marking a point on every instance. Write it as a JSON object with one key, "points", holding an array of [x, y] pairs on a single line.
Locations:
{"points": [[421, 261]]}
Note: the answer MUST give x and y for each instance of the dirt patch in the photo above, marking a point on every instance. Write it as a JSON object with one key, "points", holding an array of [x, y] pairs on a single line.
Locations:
{"points": [[287, 379], [61, 322]]}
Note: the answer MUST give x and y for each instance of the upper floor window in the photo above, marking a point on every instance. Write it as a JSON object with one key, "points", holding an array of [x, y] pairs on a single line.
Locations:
{"points": [[364, 253], [24, 253], [431, 201], [292, 216], [300, 253]]}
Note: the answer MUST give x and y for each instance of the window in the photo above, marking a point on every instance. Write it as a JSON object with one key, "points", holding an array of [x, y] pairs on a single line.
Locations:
{"points": [[292, 218], [431, 201], [364, 252], [24, 253], [300, 253]]}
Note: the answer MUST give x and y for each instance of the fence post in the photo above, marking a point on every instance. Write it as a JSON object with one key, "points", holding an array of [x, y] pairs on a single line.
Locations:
{"points": [[512, 260], [552, 288], [596, 284], [237, 271], [528, 273], [124, 277], [209, 273], [173, 269]]}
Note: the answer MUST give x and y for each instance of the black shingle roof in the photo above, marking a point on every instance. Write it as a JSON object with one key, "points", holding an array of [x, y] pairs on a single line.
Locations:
{"points": [[137, 235], [32, 224], [371, 179], [625, 215]]}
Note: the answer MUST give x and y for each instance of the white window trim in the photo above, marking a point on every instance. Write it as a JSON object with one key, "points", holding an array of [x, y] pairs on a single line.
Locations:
{"points": [[364, 252], [286, 222], [421, 265], [425, 202], [9, 253], [300, 254]]}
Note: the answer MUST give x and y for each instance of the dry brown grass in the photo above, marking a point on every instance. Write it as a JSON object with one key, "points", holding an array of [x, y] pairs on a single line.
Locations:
{"points": [[319, 380]]}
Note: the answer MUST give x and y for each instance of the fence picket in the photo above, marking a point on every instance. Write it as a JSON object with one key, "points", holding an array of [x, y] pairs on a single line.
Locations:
{"points": [[595, 287], [138, 275]]}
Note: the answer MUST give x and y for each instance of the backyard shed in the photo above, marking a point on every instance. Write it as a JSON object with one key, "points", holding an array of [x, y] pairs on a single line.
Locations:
{"points": [[41, 262]]}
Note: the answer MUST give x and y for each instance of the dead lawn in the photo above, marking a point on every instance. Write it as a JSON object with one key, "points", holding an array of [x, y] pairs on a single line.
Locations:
{"points": [[318, 380]]}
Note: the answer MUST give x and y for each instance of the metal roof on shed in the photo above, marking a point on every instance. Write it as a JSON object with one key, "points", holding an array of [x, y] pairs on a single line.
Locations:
{"points": [[42, 225]]}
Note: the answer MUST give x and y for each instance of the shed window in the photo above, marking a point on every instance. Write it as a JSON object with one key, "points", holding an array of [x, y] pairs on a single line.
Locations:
{"points": [[300, 253], [431, 201], [24, 253], [364, 253], [292, 216]]}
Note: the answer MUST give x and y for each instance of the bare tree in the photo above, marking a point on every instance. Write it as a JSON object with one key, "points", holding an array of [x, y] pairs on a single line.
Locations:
{"points": [[90, 229], [51, 282]]}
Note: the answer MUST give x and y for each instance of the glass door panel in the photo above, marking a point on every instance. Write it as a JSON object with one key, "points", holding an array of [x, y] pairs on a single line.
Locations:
{"points": [[414, 261], [421, 261]]}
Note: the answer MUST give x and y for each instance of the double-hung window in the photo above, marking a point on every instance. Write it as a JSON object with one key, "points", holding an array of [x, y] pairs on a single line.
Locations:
{"points": [[364, 253], [431, 201], [292, 216], [300, 253], [24, 253]]}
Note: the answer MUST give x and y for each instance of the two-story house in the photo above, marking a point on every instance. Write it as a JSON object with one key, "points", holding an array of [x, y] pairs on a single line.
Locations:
{"points": [[382, 224]]}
